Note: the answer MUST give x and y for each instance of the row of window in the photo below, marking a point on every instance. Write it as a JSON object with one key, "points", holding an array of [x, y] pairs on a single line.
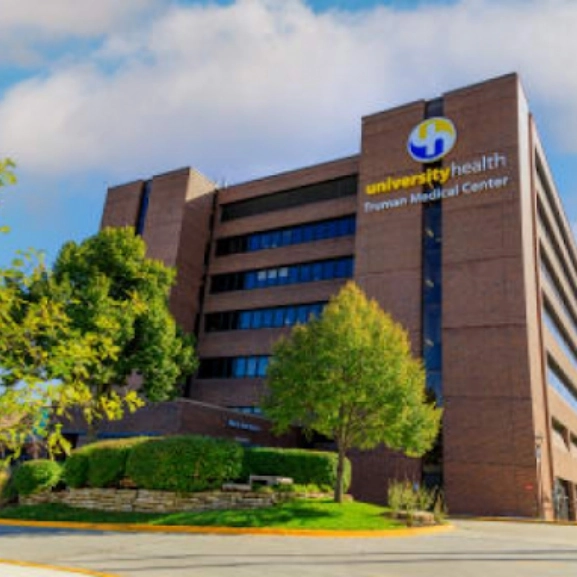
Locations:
{"points": [[302, 233], [275, 317], [329, 190], [247, 410], [561, 384], [552, 324], [233, 367], [549, 277], [284, 275]]}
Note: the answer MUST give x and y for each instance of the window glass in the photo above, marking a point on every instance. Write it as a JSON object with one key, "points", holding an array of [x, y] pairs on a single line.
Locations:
{"points": [[253, 242], [275, 239], [317, 310], [244, 320], [349, 266], [256, 319], [262, 366], [303, 314], [297, 235], [278, 320], [283, 275], [250, 280], [265, 240], [261, 278], [290, 316], [267, 316], [317, 271], [272, 275], [251, 366], [293, 277], [308, 233], [286, 237], [329, 269], [331, 229], [239, 367], [305, 272]]}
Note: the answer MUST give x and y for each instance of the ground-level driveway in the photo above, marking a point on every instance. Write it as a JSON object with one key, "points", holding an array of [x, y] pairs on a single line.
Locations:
{"points": [[473, 549]]}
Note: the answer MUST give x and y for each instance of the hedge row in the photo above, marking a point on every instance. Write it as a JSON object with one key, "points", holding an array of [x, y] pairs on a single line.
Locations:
{"points": [[184, 463], [193, 463], [305, 467], [101, 464]]}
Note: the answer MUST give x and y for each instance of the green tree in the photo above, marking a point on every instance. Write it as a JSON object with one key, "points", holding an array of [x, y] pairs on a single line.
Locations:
{"points": [[7, 176], [43, 360], [114, 290], [350, 376]]}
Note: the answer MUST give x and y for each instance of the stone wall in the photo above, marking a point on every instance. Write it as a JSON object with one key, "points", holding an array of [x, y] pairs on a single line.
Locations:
{"points": [[142, 501]]}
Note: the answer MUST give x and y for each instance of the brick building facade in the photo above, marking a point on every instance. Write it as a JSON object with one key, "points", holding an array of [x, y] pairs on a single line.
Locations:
{"points": [[449, 218]]}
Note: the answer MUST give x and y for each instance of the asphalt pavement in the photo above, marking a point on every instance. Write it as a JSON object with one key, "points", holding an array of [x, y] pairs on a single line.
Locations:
{"points": [[473, 549]]}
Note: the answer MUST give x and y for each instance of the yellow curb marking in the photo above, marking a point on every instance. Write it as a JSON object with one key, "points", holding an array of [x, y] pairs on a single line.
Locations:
{"points": [[134, 528], [55, 568]]}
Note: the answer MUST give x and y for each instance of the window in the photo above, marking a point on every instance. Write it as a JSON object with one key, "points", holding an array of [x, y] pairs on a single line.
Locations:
{"points": [[562, 385], [233, 367], [337, 188], [270, 239], [300, 273], [275, 317]]}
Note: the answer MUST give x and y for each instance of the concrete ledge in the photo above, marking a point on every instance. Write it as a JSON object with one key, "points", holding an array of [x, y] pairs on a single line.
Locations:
{"points": [[136, 528]]}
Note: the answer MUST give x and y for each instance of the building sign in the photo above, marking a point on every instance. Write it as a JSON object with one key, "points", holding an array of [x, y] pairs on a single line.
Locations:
{"points": [[429, 141], [432, 139]]}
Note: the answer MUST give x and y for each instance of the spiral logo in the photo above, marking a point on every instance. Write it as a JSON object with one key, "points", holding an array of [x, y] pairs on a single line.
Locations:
{"points": [[432, 139]]}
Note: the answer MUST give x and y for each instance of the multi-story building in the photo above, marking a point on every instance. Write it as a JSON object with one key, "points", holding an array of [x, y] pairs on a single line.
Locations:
{"points": [[449, 218]]}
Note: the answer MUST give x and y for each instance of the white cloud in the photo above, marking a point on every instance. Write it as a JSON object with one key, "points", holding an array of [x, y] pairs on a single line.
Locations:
{"points": [[70, 17], [267, 84]]}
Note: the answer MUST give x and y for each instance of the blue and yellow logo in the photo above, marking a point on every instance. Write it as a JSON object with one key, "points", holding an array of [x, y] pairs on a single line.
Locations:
{"points": [[432, 139]]}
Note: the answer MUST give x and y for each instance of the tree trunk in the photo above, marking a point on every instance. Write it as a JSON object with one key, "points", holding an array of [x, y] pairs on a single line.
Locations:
{"points": [[340, 471]]}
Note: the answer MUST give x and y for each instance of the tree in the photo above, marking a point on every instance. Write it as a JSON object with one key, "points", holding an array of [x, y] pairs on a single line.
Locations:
{"points": [[113, 290], [6, 177], [34, 383], [349, 375]]}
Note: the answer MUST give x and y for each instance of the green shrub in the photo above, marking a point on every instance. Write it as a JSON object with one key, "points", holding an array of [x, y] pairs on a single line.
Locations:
{"points": [[403, 496], [107, 461], [304, 467], [184, 463], [35, 476], [75, 472], [7, 490], [100, 464]]}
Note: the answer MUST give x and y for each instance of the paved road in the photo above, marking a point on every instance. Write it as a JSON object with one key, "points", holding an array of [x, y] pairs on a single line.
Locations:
{"points": [[474, 549]]}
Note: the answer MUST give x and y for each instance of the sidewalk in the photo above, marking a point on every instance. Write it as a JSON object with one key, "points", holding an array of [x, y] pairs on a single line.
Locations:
{"points": [[22, 569]]}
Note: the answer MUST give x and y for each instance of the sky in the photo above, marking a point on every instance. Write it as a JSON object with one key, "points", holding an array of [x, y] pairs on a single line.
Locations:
{"points": [[94, 94]]}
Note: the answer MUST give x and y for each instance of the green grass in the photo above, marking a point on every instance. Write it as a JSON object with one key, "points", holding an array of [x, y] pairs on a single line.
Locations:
{"points": [[300, 514]]}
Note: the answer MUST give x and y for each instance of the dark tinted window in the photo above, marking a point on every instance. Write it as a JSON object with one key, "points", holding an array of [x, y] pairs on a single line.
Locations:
{"points": [[338, 188]]}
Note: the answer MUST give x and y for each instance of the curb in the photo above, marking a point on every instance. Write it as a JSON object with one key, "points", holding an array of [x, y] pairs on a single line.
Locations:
{"points": [[525, 520], [135, 528], [72, 571]]}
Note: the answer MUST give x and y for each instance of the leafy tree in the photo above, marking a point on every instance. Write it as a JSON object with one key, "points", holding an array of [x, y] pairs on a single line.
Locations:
{"points": [[114, 291], [7, 176], [33, 382], [350, 376]]}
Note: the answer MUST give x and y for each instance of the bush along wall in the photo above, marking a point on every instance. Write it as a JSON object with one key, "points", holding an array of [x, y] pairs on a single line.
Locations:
{"points": [[305, 467], [101, 464], [184, 463], [35, 476]]}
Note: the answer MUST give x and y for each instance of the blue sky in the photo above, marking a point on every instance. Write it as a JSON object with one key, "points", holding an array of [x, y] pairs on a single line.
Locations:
{"points": [[94, 94]]}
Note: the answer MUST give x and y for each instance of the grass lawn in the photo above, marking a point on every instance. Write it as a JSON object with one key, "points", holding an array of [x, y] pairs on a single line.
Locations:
{"points": [[301, 514]]}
